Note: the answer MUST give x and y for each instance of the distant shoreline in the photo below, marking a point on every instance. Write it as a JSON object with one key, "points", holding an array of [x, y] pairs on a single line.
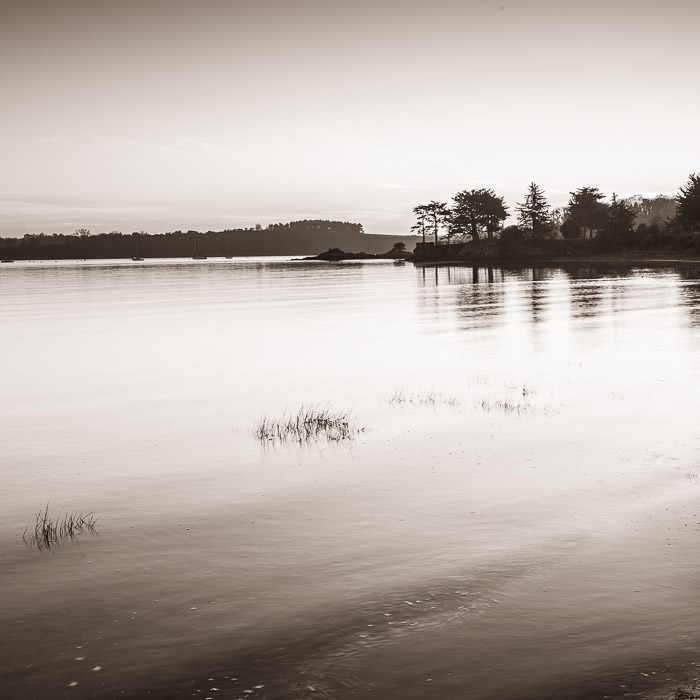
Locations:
{"points": [[293, 238]]}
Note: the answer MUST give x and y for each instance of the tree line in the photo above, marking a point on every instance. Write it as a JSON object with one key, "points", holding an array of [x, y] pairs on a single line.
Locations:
{"points": [[296, 237], [633, 222]]}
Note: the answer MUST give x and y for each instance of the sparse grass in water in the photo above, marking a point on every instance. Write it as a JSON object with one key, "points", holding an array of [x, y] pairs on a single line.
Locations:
{"points": [[427, 398], [516, 401], [527, 391], [306, 424], [503, 405], [50, 532]]}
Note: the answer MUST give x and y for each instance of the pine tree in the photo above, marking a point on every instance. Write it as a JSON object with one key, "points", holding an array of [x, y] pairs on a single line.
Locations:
{"points": [[688, 199], [621, 218], [534, 213], [421, 214]]}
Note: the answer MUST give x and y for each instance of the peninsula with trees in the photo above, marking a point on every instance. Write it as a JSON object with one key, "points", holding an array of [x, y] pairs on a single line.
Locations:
{"points": [[590, 225]]}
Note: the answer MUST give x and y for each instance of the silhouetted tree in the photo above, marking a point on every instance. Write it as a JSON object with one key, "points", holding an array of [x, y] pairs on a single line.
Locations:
{"points": [[586, 214], [466, 213], [421, 213], [495, 212], [534, 213], [438, 216], [688, 199], [82, 232], [479, 210], [620, 226]]}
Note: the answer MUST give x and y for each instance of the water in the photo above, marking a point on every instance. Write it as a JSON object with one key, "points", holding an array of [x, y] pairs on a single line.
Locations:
{"points": [[520, 517]]}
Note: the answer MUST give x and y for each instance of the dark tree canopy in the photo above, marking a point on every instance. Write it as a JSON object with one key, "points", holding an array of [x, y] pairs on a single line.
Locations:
{"points": [[420, 227], [495, 212], [534, 213], [477, 211], [586, 213], [688, 199], [438, 217], [621, 216], [634, 223]]}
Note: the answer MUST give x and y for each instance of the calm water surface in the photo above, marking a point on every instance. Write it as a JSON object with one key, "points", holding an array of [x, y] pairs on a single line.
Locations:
{"points": [[519, 519]]}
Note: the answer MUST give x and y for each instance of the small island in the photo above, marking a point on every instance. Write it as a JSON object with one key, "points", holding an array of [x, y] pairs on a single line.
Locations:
{"points": [[398, 252]]}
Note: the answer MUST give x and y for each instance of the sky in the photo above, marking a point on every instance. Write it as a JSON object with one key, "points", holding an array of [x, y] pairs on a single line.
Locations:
{"points": [[161, 115]]}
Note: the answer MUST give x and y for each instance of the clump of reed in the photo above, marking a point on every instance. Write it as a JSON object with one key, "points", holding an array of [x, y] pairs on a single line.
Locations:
{"points": [[306, 424], [516, 400], [50, 532], [527, 391], [426, 398], [503, 405]]}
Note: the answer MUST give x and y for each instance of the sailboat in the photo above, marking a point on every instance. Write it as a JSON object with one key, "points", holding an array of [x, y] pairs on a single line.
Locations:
{"points": [[136, 257], [228, 251], [197, 253]]}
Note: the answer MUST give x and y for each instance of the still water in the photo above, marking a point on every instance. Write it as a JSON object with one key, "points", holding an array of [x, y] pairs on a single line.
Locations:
{"points": [[520, 517]]}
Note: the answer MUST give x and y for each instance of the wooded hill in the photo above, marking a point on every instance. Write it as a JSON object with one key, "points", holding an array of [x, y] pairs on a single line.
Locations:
{"points": [[294, 238]]}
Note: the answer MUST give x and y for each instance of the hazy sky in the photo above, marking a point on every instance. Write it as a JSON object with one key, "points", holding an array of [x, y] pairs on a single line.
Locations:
{"points": [[178, 114]]}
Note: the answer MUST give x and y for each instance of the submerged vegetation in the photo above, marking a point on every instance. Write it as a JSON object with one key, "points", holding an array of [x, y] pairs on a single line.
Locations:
{"points": [[306, 424], [504, 405], [428, 398], [516, 401], [50, 532]]}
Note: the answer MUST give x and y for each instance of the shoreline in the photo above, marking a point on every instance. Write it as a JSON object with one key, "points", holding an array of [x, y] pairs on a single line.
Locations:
{"points": [[543, 261]]}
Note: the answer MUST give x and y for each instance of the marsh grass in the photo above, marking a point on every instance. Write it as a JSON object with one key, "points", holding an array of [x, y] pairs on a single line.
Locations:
{"points": [[527, 391], [515, 401], [506, 405], [426, 398], [51, 532], [305, 425]]}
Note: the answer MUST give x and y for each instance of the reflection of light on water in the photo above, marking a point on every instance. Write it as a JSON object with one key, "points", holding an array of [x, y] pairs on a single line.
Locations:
{"points": [[125, 383]]}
